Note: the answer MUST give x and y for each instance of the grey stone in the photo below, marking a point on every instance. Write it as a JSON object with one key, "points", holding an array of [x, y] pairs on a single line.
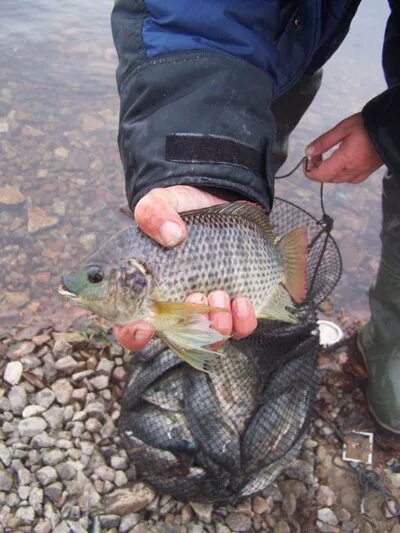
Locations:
{"points": [[5, 454], [62, 388], [43, 526], [120, 478], [61, 348], [203, 511], [18, 399], [302, 471], [100, 382], [105, 366], [238, 522], [53, 492], [289, 504], [6, 480], [128, 521], [29, 427], [105, 473], [64, 527], [281, 527], [53, 457], [46, 475], [45, 398], [93, 425], [24, 476], [96, 409], [66, 471], [327, 516], [43, 440], [36, 499], [64, 444], [109, 520], [55, 417], [23, 492], [26, 514], [77, 429], [118, 462], [66, 365]]}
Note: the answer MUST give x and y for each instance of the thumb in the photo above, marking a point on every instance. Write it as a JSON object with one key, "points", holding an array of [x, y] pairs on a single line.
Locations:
{"points": [[157, 213]]}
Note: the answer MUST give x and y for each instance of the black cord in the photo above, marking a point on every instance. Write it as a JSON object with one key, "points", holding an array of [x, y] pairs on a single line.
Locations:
{"points": [[367, 478]]}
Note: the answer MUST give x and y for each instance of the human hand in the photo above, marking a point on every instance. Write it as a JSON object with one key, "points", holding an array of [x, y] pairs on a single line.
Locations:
{"points": [[157, 215], [353, 161]]}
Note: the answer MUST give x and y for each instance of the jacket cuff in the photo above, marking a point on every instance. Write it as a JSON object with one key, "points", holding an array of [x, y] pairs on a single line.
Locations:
{"points": [[200, 119], [382, 121]]}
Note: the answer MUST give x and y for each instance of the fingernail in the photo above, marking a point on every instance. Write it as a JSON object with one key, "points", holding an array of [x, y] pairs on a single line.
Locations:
{"points": [[171, 233], [219, 299], [242, 307], [310, 150], [141, 335]]}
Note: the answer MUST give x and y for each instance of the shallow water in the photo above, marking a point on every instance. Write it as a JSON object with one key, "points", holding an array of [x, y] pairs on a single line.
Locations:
{"points": [[58, 127]]}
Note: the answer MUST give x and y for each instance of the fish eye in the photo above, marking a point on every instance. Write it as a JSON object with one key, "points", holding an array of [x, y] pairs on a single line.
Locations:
{"points": [[95, 274]]}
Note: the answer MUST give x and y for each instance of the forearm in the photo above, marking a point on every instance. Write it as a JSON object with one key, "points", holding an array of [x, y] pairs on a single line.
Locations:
{"points": [[195, 117]]}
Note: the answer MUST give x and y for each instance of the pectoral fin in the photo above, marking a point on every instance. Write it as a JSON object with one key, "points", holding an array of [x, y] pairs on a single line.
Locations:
{"points": [[189, 339], [279, 307]]}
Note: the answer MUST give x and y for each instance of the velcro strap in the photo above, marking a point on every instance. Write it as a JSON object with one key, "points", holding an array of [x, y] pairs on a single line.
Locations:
{"points": [[199, 148]]}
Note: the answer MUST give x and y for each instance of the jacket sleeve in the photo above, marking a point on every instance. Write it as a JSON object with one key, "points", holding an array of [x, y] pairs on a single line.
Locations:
{"points": [[195, 88], [382, 114]]}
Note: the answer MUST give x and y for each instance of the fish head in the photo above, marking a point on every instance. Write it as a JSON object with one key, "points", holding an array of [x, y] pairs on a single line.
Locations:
{"points": [[108, 283]]}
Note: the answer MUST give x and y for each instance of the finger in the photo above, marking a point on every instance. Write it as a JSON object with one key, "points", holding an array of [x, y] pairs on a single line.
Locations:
{"points": [[157, 212], [221, 320], [244, 317], [329, 168], [198, 298], [134, 336], [327, 140], [312, 163]]}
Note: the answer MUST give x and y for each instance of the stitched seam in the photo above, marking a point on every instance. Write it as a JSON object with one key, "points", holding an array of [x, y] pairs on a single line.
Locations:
{"points": [[188, 56]]}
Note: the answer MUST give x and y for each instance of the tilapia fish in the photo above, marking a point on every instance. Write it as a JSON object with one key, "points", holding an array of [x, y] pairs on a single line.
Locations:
{"points": [[230, 247]]}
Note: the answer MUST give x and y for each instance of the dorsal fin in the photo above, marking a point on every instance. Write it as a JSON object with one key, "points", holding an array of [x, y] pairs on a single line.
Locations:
{"points": [[241, 209]]}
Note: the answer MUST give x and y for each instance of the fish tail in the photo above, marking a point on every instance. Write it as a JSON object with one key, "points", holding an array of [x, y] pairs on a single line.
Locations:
{"points": [[293, 246]]}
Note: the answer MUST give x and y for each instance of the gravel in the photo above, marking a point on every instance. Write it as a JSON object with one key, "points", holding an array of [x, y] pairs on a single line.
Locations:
{"points": [[63, 468]]}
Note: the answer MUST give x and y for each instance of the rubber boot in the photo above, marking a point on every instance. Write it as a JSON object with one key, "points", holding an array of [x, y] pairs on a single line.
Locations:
{"points": [[379, 339]]}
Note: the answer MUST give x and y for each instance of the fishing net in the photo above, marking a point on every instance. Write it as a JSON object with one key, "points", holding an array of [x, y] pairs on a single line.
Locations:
{"points": [[222, 436]]}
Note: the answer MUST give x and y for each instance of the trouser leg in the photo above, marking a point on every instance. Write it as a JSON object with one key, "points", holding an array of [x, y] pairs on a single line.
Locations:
{"points": [[288, 111], [379, 340]]}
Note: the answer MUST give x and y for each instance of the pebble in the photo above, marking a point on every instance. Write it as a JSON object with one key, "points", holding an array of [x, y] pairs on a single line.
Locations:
{"points": [[66, 365], [62, 388], [13, 372], [29, 427], [11, 196], [26, 514], [5, 454], [46, 475], [54, 417], [238, 522], [45, 398], [32, 410], [123, 501], [128, 522], [100, 382], [327, 516], [61, 348], [6, 480], [325, 496], [203, 511], [281, 527], [262, 505], [18, 399], [36, 498], [53, 457], [39, 220]]}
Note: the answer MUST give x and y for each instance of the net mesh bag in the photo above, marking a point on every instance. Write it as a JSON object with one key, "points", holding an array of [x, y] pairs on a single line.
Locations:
{"points": [[228, 434]]}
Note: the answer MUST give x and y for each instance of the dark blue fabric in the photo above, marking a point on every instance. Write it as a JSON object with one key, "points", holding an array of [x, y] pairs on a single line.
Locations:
{"points": [[242, 28]]}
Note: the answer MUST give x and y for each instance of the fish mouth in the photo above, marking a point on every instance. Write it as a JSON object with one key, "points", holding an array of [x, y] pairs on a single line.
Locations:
{"points": [[63, 291]]}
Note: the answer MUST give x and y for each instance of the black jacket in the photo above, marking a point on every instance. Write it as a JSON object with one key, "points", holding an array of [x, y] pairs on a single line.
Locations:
{"points": [[197, 79]]}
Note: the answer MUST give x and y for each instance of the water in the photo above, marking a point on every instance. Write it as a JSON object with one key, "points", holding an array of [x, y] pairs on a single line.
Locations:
{"points": [[58, 128]]}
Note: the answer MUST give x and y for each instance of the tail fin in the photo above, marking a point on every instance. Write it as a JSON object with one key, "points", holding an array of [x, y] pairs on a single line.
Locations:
{"points": [[294, 250]]}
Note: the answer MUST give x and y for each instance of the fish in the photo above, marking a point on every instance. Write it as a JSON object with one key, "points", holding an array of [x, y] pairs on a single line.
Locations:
{"points": [[167, 392], [283, 415], [166, 430], [215, 434], [236, 383], [144, 373], [230, 246]]}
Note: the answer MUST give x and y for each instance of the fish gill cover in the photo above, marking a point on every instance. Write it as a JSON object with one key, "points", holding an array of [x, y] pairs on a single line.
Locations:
{"points": [[222, 436]]}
